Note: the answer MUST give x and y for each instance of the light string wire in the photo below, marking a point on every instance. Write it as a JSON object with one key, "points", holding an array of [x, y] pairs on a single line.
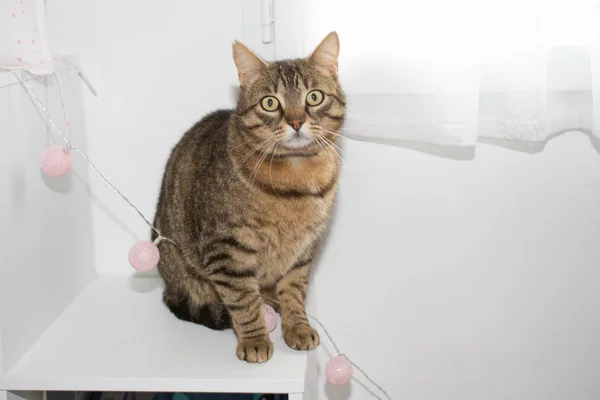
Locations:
{"points": [[83, 77], [71, 146], [337, 350], [64, 106]]}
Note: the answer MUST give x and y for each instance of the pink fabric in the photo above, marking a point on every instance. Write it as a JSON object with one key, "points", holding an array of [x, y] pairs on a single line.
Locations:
{"points": [[23, 38], [144, 255], [56, 161]]}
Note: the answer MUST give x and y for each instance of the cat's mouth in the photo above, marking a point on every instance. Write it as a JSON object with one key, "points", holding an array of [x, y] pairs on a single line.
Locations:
{"points": [[298, 141]]}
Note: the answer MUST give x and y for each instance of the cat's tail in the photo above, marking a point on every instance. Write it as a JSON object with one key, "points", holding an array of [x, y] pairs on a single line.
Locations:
{"points": [[212, 315]]}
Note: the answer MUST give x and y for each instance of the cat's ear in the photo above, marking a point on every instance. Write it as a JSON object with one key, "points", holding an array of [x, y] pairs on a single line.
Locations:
{"points": [[325, 56], [247, 62]]}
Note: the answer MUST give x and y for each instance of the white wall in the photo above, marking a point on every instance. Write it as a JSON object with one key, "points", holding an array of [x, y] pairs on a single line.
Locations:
{"points": [[443, 278], [158, 67], [464, 280], [42, 218]]}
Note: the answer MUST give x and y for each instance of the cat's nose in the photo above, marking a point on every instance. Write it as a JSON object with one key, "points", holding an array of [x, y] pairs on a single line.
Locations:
{"points": [[296, 124]]}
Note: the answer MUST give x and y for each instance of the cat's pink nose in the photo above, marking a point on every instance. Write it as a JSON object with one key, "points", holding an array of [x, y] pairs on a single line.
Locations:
{"points": [[296, 124]]}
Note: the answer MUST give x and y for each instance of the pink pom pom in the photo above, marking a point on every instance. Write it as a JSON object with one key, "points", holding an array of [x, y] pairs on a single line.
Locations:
{"points": [[144, 255], [56, 161], [338, 371], [270, 317]]}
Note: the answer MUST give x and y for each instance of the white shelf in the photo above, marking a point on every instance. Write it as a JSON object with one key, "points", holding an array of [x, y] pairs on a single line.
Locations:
{"points": [[118, 336]]}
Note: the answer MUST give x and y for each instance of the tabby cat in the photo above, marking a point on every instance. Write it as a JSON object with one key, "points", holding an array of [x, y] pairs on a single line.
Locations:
{"points": [[246, 196]]}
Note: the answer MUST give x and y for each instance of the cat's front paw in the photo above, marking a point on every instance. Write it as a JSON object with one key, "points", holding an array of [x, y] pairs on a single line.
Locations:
{"points": [[255, 350], [301, 337]]}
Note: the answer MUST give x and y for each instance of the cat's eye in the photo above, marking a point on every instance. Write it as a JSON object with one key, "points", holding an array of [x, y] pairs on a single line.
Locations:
{"points": [[269, 103], [314, 98]]}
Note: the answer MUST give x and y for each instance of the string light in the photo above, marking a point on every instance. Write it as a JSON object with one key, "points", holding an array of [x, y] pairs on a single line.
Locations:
{"points": [[339, 369], [56, 161], [270, 317], [144, 255]]}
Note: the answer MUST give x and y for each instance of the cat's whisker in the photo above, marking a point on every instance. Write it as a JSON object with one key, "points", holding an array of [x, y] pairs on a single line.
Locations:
{"points": [[331, 132], [334, 144], [276, 131], [233, 114], [248, 154], [242, 143], [319, 143], [330, 144], [318, 139], [255, 149], [264, 152], [271, 163], [261, 159], [324, 145], [329, 140]]}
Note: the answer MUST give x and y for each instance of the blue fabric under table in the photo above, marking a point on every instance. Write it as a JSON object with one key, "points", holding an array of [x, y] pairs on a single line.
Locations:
{"points": [[217, 396]]}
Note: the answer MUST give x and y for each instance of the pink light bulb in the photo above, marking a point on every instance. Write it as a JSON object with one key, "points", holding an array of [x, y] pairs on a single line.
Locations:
{"points": [[56, 161], [339, 371], [144, 255], [270, 317]]}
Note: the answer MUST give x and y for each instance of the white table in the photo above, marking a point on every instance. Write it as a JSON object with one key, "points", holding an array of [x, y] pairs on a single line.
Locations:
{"points": [[118, 336]]}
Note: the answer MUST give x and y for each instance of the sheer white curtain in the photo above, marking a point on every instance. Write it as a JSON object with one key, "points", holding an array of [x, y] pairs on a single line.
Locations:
{"points": [[449, 72], [23, 39]]}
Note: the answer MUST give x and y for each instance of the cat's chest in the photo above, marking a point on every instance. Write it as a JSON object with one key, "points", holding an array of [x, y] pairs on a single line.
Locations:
{"points": [[279, 251], [284, 236]]}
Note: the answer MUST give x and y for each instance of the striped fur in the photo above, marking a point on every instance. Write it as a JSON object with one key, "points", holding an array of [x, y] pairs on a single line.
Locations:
{"points": [[248, 212]]}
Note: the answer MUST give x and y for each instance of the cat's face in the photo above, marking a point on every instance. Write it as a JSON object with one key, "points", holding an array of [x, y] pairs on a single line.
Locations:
{"points": [[293, 107]]}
